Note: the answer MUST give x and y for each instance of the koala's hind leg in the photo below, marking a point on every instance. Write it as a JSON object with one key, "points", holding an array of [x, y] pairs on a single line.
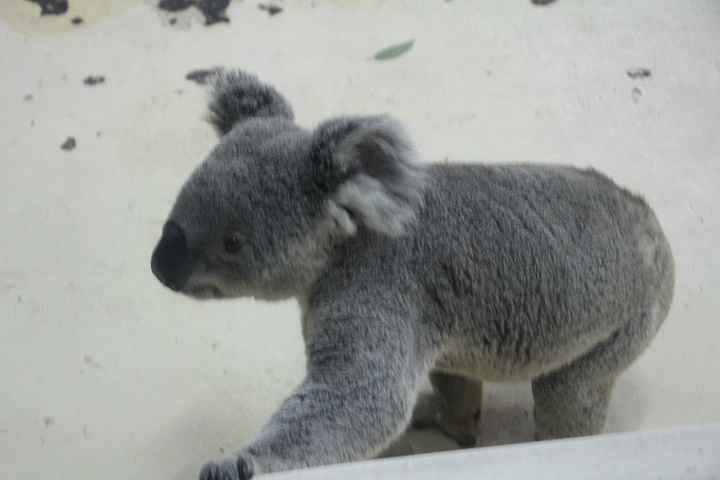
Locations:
{"points": [[453, 407], [568, 406], [573, 400]]}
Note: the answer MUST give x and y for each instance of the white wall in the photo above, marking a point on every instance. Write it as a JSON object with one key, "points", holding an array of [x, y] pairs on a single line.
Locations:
{"points": [[106, 374]]}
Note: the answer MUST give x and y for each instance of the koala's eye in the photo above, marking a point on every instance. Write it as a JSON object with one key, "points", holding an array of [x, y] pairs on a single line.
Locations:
{"points": [[232, 244]]}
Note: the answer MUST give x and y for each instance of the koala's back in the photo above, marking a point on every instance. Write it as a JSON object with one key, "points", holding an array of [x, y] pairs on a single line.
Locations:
{"points": [[521, 268]]}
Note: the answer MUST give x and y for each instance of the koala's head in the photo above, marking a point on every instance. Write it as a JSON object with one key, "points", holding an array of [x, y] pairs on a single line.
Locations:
{"points": [[259, 217]]}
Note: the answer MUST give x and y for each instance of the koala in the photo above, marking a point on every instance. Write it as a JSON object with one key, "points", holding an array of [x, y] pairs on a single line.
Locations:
{"points": [[461, 272]]}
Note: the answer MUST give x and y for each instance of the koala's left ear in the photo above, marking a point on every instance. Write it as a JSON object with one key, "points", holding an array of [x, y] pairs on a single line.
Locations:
{"points": [[237, 96], [369, 168]]}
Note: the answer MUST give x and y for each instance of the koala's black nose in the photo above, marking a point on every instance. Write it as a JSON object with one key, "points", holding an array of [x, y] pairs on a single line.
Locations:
{"points": [[169, 260]]}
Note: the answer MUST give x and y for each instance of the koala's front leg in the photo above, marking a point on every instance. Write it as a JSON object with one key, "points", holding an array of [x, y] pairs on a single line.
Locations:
{"points": [[357, 398]]}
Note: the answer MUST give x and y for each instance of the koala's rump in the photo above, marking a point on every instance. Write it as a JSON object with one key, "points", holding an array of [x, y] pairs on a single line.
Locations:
{"points": [[523, 268]]}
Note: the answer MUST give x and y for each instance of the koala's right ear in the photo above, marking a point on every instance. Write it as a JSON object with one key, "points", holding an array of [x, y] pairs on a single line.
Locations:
{"points": [[237, 96], [369, 169]]}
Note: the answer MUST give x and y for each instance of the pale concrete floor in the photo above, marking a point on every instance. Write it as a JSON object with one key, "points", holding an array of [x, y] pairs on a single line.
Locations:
{"points": [[106, 374]]}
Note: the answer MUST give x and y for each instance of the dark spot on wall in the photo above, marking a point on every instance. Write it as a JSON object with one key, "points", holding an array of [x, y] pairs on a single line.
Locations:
{"points": [[77, 20], [271, 9], [94, 80], [52, 7], [175, 5], [69, 144], [90, 361], [202, 76], [541, 2], [213, 10], [639, 73]]}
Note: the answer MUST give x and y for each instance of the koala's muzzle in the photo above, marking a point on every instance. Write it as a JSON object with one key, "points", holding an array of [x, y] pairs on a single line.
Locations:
{"points": [[170, 259]]}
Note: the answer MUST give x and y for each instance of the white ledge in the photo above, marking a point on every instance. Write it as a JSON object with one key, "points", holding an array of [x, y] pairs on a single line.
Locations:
{"points": [[688, 453]]}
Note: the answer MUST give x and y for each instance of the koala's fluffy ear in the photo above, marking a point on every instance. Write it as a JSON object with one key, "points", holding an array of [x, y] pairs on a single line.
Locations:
{"points": [[237, 96], [370, 170]]}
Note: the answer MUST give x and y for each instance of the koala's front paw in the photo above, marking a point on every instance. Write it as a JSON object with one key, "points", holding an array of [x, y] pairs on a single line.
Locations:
{"points": [[239, 468]]}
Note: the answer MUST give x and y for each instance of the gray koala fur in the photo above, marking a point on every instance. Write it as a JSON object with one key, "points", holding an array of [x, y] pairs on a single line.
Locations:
{"points": [[466, 273]]}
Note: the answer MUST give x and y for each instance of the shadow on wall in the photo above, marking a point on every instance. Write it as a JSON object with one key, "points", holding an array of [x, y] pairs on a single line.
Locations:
{"points": [[630, 401]]}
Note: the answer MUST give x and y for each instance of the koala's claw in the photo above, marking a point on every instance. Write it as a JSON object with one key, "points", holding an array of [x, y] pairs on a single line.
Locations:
{"points": [[229, 469]]}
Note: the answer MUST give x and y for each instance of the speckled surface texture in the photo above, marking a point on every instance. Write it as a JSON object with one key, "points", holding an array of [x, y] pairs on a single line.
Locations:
{"points": [[106, 374]]}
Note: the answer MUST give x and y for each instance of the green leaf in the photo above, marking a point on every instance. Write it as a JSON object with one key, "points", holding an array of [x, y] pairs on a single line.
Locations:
{"points": [[394, 51]]}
